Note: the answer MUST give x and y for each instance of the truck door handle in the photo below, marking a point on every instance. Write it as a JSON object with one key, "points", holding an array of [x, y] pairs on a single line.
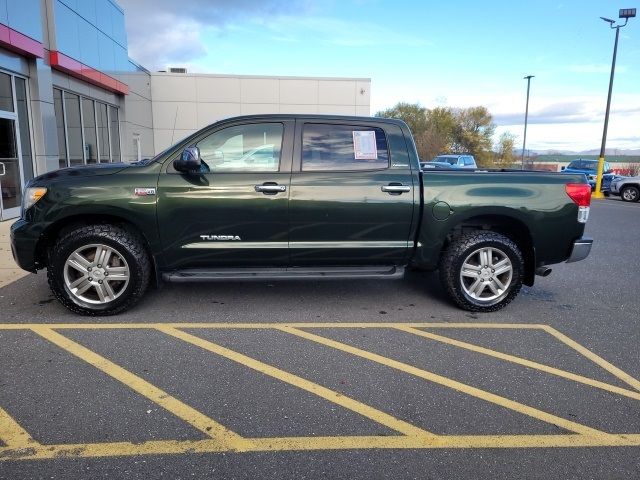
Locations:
{"points": [[4, 171], [396, 188], [270, 188]]}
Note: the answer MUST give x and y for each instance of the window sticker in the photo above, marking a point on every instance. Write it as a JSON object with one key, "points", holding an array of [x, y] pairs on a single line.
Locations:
{"points": [[364, 145]]}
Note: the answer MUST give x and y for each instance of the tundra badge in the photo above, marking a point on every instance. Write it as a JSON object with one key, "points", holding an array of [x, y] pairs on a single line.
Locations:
{"points": [[223, 238]]}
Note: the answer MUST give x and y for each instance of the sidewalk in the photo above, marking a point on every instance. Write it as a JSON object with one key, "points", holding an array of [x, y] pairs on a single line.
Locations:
{"points": [[9, 271]]}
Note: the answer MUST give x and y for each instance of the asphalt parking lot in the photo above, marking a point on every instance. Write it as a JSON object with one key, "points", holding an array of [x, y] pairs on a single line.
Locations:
{"points": [[333, 380]]}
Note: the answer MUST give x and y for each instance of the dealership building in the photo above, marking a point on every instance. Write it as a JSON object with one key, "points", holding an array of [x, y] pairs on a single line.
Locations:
{"points": [[70, 95]]}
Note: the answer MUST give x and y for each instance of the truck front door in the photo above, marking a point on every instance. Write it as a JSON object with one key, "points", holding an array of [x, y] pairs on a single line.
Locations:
{"points": [[352, 194], [234, 212]]}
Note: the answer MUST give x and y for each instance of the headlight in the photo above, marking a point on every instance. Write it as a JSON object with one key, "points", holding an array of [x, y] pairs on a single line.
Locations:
{"points": [[31, 196]]}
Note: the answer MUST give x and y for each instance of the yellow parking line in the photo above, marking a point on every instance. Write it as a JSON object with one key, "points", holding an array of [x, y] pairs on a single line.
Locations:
{"points": [[455, 385], [12, 434], [625, 377], [330, 395], [107, 326], [193, 417], [524, 362], [281, 444], [444, 441]]}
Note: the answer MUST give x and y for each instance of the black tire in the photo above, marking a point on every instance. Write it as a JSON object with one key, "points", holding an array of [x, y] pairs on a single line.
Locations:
{"points": [[133, 261], [630, 193], [464, 249]]}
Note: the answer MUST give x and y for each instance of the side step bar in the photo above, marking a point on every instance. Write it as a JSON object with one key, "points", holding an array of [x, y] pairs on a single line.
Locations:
{"points": [[296, 273]]}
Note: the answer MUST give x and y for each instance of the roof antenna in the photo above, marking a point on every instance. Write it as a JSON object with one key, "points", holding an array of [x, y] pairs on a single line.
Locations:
{"points": [[174, 125]]}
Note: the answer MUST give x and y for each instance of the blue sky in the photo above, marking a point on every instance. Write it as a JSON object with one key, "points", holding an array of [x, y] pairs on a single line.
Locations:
{"points": [[456, 54]]}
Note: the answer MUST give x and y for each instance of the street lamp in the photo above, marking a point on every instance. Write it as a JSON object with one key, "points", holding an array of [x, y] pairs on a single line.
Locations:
{"points": [[625, 13], [526, 116]]}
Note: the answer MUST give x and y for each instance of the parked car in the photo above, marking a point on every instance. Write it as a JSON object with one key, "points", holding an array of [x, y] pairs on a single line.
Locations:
{"points": [[456, 161], [590, 169], [628, 188], [433, 164], [346, 199]]}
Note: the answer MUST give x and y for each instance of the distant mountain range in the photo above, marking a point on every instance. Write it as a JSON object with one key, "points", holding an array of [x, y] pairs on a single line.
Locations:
{"points": [[609, 151]]}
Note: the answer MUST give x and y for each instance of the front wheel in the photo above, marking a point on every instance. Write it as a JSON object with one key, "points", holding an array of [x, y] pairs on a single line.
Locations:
{"points": [[630, 194], [98, 269], [482, 271]]}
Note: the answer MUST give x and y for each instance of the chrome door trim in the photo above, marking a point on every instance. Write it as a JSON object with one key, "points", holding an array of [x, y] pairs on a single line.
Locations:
{"points": [[318, 245], [237, 245]]}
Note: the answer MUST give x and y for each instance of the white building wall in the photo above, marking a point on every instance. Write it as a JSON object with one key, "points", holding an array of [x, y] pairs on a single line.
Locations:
{"points": [[136, 121], [185, 103]]}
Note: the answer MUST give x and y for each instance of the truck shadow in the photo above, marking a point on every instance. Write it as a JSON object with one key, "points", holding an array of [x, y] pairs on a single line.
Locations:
{"points": [[415, 297]]}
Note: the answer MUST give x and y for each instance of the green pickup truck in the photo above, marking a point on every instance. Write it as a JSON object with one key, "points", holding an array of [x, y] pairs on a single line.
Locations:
{"points": [[295, 197]]}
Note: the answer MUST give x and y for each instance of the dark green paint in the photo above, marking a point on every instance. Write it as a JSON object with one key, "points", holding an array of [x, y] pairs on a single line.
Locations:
{"points": [[340, 209]]}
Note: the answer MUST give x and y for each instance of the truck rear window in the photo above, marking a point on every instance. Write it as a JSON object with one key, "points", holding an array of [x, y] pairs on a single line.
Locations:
{"points": [[343, 147]]}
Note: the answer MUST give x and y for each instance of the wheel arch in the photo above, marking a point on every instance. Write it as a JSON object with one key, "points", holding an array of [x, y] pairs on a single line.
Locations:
{"points": [[504, 224], [57, 228]]}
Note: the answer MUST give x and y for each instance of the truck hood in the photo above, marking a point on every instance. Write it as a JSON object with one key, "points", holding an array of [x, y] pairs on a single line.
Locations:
{"points": [[83, 171]]}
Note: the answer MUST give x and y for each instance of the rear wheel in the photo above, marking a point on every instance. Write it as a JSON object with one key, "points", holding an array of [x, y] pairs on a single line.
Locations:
{"points": [[630, 193], [482, 271], [98, 269]]}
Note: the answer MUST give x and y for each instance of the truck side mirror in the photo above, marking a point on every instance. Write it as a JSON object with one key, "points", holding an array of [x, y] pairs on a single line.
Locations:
{"points": [[562, 168], [189, 160]]}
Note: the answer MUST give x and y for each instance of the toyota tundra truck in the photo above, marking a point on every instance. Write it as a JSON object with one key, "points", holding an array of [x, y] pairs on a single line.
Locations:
{"points": [[295, 197]]}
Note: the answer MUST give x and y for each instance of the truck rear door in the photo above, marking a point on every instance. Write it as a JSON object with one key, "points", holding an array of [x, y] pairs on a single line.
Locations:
{"points": [[352, 194]]}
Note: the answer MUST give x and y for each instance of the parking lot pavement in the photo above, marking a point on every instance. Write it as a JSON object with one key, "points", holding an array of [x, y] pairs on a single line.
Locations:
{"points": [[332, 380]]}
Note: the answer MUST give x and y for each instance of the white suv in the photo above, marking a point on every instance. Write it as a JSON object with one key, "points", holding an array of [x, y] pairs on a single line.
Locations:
{"points": [[627, 187]]}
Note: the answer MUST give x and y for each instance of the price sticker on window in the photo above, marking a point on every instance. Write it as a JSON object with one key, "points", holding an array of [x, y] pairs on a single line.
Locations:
{"points": [[364, 145]]}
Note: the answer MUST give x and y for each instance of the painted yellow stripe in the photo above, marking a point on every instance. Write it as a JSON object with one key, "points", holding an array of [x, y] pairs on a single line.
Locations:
{"points": [[193, 417], [625, 377], [453, 384], [12, 434], [108, 326], [166, 447], [335, 397], [524, 362], [446, 441]]}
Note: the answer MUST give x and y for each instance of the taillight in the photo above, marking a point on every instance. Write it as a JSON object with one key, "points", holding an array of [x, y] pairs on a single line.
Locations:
{"points": [[580, 193]]}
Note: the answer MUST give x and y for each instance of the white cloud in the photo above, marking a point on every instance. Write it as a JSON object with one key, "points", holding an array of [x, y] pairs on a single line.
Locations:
{"points": [[566, 123], [170, 32], [345, 33]]}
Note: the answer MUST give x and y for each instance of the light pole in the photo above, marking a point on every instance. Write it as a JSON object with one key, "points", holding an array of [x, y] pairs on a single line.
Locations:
{"points": [[526, 117], [625, 13]]}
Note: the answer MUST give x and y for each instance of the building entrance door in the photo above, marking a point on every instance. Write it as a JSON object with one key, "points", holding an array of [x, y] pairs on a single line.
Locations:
{"points": [[11, 175]]}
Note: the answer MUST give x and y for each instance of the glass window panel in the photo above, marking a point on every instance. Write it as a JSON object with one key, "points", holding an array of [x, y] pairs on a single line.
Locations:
{"points": [[243, 148], [89, 124], [25, 133], [6, 93], [10, 185], [115, 134], [74, 128], [62, 142], [331, 148], [103, 132]]}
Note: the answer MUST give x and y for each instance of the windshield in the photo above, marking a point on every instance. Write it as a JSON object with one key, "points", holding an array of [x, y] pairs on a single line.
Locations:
{"points": [[584, 164]]}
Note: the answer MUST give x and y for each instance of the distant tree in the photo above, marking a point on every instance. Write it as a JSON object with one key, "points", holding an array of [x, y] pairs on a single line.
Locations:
{"points": [[413, 114], [473, 134], [442, 129], [438, 136], [504, 149]]}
